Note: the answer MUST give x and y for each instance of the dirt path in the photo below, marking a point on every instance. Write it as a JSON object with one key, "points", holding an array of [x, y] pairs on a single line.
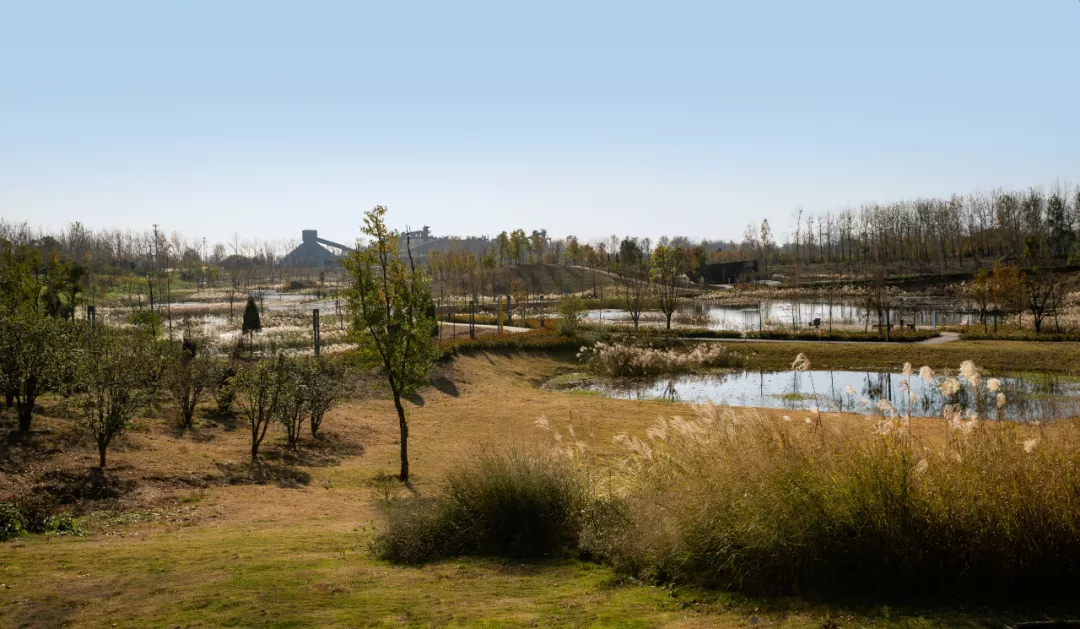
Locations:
{"points": [[945, 337]]}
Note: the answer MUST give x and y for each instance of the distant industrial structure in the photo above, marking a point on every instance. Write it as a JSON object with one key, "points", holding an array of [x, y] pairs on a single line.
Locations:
{"points": [[312, 252]]}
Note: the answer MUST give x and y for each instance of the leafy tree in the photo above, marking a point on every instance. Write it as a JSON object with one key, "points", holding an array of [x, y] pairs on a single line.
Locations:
{"points": [[667, 270], [35, 358], [189, 377], [113, 383], [503, 244], [223, 390], [20, 280], [571, 310], [326, 386], [293, 400], [251, 322], [633, 276], [1005, 285], [257, 390], [981, 292], [391, 300], [519, 246]]}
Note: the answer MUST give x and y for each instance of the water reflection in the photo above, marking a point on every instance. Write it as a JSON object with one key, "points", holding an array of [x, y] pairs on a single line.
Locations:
{"points": [[1030, 397], [801, 313]]}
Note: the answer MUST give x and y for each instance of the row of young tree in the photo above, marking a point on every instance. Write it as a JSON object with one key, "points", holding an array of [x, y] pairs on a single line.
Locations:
{"points": [[112, 374], [1035, 225]]}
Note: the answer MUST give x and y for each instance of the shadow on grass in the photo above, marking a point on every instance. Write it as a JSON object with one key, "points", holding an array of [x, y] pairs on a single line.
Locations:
{"points": [[228, 421], [70, 486], [325, 450], [263, 473], [180, 431], [444, 384]]}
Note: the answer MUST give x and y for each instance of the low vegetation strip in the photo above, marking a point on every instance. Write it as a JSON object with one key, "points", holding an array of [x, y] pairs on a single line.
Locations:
{"points": [[531, 340], [1014, 334], [898, 336]]}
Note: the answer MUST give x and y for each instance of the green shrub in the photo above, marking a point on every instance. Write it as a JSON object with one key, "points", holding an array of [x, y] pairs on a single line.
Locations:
{"points": [[147, 318], [11, 519], [572, 310], [224, 394], [517, 505], [33, 514]]}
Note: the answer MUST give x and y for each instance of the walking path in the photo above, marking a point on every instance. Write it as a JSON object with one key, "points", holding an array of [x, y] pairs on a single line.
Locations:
{"points": [[484, 326]]}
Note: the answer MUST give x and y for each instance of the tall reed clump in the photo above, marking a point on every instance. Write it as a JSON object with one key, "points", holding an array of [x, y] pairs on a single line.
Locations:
{"points": [[765, 504], [626, 360], [512, 504]]}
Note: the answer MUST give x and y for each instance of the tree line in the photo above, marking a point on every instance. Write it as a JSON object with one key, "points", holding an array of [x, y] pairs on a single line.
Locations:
{"points": [[934, 234]]}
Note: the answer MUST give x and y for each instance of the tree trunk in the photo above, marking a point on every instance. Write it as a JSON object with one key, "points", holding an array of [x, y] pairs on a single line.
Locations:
{"points": [[25, 407], [668, 320], [101, 454], [403, 426], [9, 399]]}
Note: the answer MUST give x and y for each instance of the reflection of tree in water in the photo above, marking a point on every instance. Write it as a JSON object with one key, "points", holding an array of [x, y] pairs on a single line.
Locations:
{"points": [[1031, 397]]}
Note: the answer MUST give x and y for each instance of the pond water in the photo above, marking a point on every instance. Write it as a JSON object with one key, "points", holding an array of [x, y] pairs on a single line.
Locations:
{"points": [[784, 313], [1030, 397]]}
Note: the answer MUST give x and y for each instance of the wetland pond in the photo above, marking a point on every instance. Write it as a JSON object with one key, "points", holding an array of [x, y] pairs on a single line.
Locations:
{"points": [[1030, 397], [801, 313]]}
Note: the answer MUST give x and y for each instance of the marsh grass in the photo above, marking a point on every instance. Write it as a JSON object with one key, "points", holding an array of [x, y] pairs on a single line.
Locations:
{"points": [[617, 359], [765, 504]]}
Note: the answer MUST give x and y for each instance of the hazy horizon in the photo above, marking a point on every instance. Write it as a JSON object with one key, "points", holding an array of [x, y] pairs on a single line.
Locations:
{"points": [[614, 118]]}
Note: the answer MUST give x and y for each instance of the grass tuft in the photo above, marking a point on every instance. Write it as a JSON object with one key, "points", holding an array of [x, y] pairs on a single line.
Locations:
{"points": [[513, 504]]}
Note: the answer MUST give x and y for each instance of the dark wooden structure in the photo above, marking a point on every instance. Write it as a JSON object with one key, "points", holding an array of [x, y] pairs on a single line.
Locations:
{"points": [[731, 272]]}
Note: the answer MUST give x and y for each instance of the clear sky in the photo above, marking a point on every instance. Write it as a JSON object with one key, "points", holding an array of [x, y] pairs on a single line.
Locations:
{"points": [[590, 118]]}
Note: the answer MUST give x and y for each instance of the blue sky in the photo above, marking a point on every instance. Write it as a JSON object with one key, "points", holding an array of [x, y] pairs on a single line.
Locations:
{"points": [[693, 118]]}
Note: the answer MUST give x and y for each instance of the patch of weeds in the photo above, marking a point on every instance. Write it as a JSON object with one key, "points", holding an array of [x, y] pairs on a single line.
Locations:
{"points": [[193, 497], [386, 487], [34, 514], [571, 381]]}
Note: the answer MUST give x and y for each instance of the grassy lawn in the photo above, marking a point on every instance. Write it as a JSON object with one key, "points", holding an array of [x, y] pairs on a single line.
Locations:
{"points": [[190, 544], [995, 357]]}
